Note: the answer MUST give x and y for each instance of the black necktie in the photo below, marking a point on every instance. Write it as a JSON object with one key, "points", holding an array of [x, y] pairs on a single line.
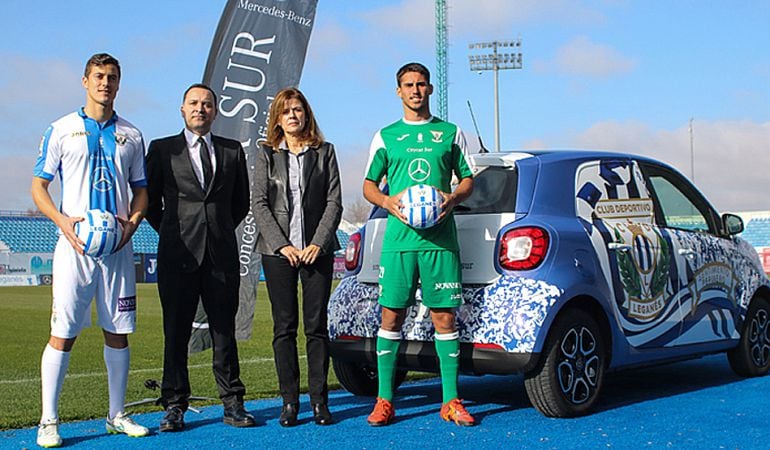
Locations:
{"points": [[208, 171]]}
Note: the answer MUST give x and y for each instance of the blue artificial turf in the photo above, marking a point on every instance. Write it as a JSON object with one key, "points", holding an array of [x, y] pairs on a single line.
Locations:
{"points": [[697, 404]]}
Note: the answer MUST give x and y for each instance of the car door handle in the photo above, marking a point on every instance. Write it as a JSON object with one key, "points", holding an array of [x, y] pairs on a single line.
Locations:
{"points": [[687, 253], [619, 247]]}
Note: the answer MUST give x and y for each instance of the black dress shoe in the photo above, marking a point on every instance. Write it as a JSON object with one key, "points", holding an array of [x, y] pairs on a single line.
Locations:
{"points": [[237, 416], [289, 414], [173, 420], [321, 414]]}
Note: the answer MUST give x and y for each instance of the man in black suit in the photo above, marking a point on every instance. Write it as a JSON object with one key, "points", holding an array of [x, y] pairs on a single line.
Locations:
{"points": [[199, 193]]}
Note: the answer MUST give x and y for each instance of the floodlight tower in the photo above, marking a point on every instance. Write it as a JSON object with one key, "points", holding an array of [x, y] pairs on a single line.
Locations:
{"points": [[441, 60], [496, 61]]}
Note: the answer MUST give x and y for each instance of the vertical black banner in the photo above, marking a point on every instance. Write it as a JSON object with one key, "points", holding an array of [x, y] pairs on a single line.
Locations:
{"points": [[259, 48]]}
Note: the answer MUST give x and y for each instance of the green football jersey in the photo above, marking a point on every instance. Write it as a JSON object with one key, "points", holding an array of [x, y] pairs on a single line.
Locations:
{"points": [[411, 153]]}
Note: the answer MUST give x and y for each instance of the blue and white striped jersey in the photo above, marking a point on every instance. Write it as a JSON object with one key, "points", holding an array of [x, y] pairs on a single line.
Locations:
{"points": [[97, 162]]}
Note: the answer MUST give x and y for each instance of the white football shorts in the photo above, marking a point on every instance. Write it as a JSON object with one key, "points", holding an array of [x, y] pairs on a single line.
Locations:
{"points": [[77, 279]]}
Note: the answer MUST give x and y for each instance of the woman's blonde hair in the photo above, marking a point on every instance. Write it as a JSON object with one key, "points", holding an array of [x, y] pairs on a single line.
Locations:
{"points": [[311, 135]]}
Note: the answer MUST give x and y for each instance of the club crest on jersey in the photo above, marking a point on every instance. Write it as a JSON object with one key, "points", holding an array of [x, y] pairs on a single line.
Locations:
{"points": [[437, 136], [121, 139]]}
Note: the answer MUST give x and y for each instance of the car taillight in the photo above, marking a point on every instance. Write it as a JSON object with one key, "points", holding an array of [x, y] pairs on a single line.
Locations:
{"points": [[351, 251], [523, 248]]}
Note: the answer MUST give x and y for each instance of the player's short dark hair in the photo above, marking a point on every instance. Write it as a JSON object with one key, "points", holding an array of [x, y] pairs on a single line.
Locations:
{"points": [[101, 59], [412, 67], [200, 86]]}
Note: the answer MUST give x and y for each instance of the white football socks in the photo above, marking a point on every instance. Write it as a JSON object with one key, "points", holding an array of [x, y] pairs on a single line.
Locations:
{"points": [[117, 362], [53, 367]]}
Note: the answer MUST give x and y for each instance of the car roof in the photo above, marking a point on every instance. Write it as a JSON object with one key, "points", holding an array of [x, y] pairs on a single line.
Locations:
{"points": [[509, 158]]}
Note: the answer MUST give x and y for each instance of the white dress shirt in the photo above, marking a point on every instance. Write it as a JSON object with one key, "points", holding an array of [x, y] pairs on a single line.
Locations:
{"points": [[193, 146]]}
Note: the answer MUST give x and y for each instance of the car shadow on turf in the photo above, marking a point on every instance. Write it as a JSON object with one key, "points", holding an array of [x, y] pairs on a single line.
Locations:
{"points": [[633, 386], [620, 389]]}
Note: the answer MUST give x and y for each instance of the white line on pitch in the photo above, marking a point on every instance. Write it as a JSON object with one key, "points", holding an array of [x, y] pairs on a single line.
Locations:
{"points": [[99, 374]]}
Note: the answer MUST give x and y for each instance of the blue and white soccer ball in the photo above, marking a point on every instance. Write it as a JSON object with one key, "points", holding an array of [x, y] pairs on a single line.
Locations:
{"points": [[422, 205], [100, 231]]}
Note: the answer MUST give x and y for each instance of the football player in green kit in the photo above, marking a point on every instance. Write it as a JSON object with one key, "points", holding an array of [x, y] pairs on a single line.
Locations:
{"points": [[418, 149]]}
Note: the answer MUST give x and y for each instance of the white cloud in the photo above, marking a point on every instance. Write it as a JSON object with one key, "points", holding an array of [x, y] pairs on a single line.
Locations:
{"points": [[410, 19], [730, 157], [352, 170], [494, 18], [34, 92], [38, 82], [397, 32], [330, 37], [583, 57], [415, 19], [16, 173]]}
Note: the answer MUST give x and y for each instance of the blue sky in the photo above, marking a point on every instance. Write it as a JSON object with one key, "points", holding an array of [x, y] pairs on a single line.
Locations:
{"points": [[607, 74]]}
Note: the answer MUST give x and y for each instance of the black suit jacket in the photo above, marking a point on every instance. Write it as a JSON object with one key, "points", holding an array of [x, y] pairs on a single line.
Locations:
{"points": [[188, 220], [321, 199]]}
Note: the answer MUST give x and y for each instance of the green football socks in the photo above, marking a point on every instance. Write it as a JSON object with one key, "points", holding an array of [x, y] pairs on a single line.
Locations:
{"points": [[387, 352], [448, 350]]}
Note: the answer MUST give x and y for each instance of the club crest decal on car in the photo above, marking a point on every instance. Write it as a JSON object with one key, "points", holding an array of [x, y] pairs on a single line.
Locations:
{"points": [[714, 276], [643, 270]]}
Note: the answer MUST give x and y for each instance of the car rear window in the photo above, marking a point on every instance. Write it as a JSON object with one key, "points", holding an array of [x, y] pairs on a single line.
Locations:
{"points": [[494, 191]]}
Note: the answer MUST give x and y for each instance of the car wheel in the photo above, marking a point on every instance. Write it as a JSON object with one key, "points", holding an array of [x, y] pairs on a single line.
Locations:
{"points": [[567, 380], [751, 358], [359, 379]]}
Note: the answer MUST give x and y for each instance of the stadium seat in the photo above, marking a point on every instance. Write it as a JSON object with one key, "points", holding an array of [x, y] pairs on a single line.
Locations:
{"points": [[36, 234], [757, 232]]}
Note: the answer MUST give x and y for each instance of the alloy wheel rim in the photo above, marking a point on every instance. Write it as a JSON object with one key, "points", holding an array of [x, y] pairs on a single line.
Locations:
{"points": [[578, 371], [759, 338]]}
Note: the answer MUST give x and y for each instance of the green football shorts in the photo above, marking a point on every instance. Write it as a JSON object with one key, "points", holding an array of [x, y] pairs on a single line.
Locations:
{"points": [[437, 270]]}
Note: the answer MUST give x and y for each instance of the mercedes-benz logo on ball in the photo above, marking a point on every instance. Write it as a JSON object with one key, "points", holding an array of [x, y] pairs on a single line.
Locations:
{"points": [[102, 181], [419, 169]]}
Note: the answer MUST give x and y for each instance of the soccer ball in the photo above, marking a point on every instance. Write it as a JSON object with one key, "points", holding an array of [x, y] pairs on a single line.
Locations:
{"points": [[100, 231], [421, 206]]}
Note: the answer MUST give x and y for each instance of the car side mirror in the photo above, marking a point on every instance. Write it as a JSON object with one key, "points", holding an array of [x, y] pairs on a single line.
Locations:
{"points": [[732, 224]]}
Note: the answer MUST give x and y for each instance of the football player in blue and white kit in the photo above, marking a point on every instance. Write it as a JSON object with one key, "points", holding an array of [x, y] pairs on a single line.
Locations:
{"points": [[98, 157]]}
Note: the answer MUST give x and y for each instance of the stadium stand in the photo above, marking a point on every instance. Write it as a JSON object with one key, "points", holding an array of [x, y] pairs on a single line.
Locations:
{"points": [[24, 233], [757, 232], [36, 234], [27, 234], [145, 239], [343, 238]]}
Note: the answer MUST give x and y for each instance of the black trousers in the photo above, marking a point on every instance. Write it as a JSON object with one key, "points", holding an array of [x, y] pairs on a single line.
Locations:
{"points": [[282, 281], [179, 294]]}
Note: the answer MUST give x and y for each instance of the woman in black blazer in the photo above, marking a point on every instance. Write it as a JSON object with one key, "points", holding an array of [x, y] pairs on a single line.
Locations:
{"points": [[298, 207]]}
